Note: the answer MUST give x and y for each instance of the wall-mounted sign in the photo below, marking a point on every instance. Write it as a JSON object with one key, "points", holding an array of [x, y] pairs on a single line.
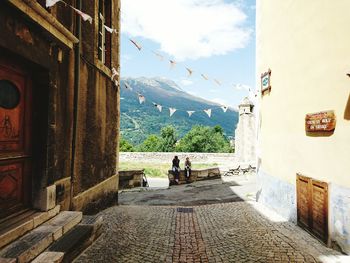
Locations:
{"points": [[321, 121], [266, 81]]}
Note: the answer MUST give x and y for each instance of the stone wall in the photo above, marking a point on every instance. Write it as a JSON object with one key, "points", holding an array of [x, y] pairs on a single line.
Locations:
{"points": [[165, 157]]}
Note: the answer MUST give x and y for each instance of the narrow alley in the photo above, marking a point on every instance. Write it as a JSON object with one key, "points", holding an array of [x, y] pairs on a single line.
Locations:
{"points": [[239, 230]]}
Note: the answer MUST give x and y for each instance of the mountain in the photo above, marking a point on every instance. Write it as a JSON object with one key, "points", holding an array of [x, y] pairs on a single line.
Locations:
{"points": [[139, 121]]}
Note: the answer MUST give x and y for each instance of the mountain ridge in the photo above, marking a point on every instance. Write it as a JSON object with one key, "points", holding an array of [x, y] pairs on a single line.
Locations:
{"points": [[140, 120]]}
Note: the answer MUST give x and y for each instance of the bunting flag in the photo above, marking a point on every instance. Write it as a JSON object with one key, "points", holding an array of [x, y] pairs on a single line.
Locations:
{"points": [[190, 112], [159, 107], [158, 55], [217, 82], [138, 46], [172, 111], [204, 77], [141, 98], [84, 16], [50, 3], [224, 108], [190, 72], [127, 86], [172, 63], [208, 112], [110, 30], [114, 73]]}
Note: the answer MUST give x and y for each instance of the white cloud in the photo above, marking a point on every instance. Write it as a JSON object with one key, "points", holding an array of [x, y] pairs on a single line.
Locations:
{"points": [[186, 82], [192, 93], [213, 91], [187, 29]]}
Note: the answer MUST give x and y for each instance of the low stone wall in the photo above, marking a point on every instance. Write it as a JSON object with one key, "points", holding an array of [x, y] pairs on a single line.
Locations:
{"points": [[130, 179], [196, 175], [162, 157]]}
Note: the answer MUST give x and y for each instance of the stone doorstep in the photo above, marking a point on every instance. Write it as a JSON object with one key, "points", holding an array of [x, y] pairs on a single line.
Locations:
{"points": [[33, 243], [78, 238], [49, 257], [22, 227]]}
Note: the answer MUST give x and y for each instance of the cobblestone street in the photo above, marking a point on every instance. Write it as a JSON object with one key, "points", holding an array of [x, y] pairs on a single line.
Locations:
{"points": [[224, 232]]}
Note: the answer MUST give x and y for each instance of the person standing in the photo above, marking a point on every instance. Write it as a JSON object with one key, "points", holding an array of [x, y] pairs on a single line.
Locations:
{"points": [[176, 169], [187, 169]]}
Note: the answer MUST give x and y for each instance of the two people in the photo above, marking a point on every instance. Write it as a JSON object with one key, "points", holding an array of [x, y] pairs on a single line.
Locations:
{"points": [[176, 169]]}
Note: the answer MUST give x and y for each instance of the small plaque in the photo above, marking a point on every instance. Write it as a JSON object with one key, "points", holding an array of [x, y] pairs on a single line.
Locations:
{"points": [[320, 122], [266, 81]]}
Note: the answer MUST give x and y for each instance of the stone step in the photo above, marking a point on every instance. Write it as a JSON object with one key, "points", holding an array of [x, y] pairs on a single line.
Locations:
{"points": [[79, 238], [23, 222], [36, 241], [49, 257]]}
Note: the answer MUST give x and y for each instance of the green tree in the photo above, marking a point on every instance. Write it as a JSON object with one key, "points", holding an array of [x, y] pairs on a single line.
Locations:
{"points": [[151, 144], [125, 146], [168, 139], [204, 139]]}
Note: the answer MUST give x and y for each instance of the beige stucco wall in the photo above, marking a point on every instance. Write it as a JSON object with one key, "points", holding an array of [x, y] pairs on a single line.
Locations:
{"points": [[306, 44]]}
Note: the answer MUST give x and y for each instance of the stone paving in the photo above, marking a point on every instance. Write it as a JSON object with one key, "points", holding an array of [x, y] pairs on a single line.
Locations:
{"points": [[230, 232], [240, 231]]}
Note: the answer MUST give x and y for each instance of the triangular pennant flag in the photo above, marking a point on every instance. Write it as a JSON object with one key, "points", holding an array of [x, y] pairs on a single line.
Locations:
{"points": [[141, 98], [158, 55], [208, 112], [172, 111], [138, 46], [114, 73], [217, 82], [224, 108], [172, 63], [159, 107], [50, 3], [84, 16], [110, 30], [190, 112], [204, 77], [127, 86], [190, 72]]}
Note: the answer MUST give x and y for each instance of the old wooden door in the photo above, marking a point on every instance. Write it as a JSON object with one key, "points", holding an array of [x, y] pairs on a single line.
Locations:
{"points": [[15, 138], [312, 206]]}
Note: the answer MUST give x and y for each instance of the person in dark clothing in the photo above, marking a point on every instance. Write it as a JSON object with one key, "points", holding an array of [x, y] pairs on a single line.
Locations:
{"points": [[187, 169], [176, 169]]}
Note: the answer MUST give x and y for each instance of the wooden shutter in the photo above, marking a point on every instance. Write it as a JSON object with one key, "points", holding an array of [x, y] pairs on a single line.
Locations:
{"points": [[312, 206]]}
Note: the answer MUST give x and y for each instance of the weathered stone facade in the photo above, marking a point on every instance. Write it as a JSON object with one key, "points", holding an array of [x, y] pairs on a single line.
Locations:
{"points": [[75, 105]]}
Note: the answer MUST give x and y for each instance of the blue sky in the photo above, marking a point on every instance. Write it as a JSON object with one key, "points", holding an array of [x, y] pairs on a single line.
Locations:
{"points": [[212, 37]]}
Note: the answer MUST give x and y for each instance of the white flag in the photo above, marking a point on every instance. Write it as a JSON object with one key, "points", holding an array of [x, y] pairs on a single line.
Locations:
{"points": [[190, 112], [127, 86], [50, 3], [110, 30], [141, 99], [159, 107], [84, 16], [224, 108], [172, 111], [208, 112], [114, 73]]}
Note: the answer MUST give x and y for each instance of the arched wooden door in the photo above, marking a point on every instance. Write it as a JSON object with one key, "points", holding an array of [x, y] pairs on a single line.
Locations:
{"points": [[15, 138]]}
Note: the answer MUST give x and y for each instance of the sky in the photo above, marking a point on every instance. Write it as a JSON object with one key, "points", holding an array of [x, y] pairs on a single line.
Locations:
{"points": [[211, 37]]}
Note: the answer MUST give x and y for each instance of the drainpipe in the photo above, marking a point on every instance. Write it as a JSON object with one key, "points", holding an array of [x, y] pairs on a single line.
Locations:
{"points": [[75, 96]]}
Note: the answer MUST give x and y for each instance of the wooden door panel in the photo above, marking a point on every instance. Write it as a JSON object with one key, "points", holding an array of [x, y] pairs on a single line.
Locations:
{"points": [[303, 202], [11, 184], [312, 206], [12, 117]]}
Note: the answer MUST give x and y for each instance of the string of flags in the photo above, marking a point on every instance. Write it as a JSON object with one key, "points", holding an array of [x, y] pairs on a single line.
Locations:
{"points": [[172, 110], [173, 63], [84, 16]]}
